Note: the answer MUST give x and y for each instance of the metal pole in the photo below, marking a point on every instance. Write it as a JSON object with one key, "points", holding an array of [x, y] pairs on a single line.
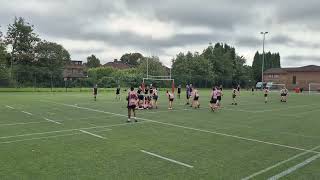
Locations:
{"points": [[262, 66], [147, 67], [263, 56]]}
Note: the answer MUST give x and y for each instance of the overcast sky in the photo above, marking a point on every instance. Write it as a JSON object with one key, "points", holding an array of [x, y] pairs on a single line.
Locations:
{"points": [[110, 28]]}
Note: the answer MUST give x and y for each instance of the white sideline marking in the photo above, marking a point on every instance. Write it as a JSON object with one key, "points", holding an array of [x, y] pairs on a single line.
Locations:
{"points": [[52, 121], [9, 107], [294, 168], [49, 132], [171, 160], [35, 122], [195, 129], [27, 113], [95, 135], [278, 164], [47, 137]]}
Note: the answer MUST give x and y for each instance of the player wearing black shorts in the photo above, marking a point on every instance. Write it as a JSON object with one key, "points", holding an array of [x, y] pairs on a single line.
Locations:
{"points": [[132, 102], [266, 92], [140, 98], [179, 91], [155, 97], [171, 99], [118, 97], [95, 92], [234, 96]]}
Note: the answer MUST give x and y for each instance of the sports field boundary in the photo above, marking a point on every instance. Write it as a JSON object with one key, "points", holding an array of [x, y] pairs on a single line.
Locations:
{"points": [[294, 168], [167, 159], [191, 128], [278, 164]]}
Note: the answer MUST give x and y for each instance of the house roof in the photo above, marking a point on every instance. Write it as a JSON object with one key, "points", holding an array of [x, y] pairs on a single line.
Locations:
{"points": [[275, 71], [309, 68], [117, 65]]}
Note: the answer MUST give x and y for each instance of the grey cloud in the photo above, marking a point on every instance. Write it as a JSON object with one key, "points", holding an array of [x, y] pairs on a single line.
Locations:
{"points": [[67, 19]]}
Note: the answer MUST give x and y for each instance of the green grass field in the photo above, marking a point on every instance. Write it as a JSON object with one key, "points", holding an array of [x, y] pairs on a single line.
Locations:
{"points": [[46, 136]]}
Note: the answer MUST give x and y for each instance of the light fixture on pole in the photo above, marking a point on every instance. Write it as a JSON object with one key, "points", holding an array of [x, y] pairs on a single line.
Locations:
{"points": [[263, 57]]}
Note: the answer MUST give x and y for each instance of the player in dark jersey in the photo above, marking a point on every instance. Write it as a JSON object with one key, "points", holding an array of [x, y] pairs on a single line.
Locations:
{"points": [[234, 96], [238, 88], [252, 90], [132, 103], [179, 91], [95, 92], [140, 98], [188, 94], [266, 92], [118, 97]]}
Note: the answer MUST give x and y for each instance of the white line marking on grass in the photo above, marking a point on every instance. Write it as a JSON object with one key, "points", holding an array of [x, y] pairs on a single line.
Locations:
{"points": [[13, 124], [95, 135], [47, 137], [171, 160], [27, 113], [10, 107], [49, 132], [196, 129], [278, 164], [52, 121], [294, 168]]}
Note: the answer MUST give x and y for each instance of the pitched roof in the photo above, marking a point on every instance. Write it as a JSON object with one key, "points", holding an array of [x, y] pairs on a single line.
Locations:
{"points": [[309, 68], [117, 65], [275, 71]]}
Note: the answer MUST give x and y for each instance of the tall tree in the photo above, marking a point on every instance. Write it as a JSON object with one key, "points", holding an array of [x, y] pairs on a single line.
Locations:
{"points": [[93, 61], [4, 73], [50, 59], [271, 60], [132, 59], [22, 39]]}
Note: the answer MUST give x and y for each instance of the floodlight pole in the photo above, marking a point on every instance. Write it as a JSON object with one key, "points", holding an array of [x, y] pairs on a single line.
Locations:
{"points": [[263, 57]]}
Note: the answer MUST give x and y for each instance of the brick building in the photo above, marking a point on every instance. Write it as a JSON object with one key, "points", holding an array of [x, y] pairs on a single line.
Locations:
{"points": [[117, 65], [293, 77], [74, 70]]}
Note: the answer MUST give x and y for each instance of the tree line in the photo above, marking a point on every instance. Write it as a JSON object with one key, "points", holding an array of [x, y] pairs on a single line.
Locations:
{"points": [[26, 60]]}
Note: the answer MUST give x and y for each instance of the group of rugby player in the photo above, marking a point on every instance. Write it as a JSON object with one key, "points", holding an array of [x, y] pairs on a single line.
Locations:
{"points": [[146, 98]]}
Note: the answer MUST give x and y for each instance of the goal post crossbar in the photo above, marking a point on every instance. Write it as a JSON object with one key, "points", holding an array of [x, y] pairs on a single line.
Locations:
{"points": [[157, 79], [317, 87]]}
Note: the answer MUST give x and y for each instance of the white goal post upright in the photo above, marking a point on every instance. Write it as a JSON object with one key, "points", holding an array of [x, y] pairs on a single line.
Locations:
{"points": [[159, 78], [314, 87]]}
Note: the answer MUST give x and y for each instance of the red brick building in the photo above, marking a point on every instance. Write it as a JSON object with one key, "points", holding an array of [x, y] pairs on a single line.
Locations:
{"points": [[293, 77], [74, 70], [117, 65]]}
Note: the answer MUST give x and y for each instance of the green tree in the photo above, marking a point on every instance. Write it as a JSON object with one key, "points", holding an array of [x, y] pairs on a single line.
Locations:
{"points": [[272, 60], [4, 72], [50, 59], [132, 59], [93, 62], [22, 39]]}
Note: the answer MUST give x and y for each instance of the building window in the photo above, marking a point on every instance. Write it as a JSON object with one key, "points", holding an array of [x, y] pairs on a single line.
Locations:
{"points": [[276, 76], [270, 76], [294, 80]]}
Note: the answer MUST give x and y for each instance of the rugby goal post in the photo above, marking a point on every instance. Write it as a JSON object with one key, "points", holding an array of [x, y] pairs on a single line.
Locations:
{"points": [[160, 78], [277, 87], [314, 88]]}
